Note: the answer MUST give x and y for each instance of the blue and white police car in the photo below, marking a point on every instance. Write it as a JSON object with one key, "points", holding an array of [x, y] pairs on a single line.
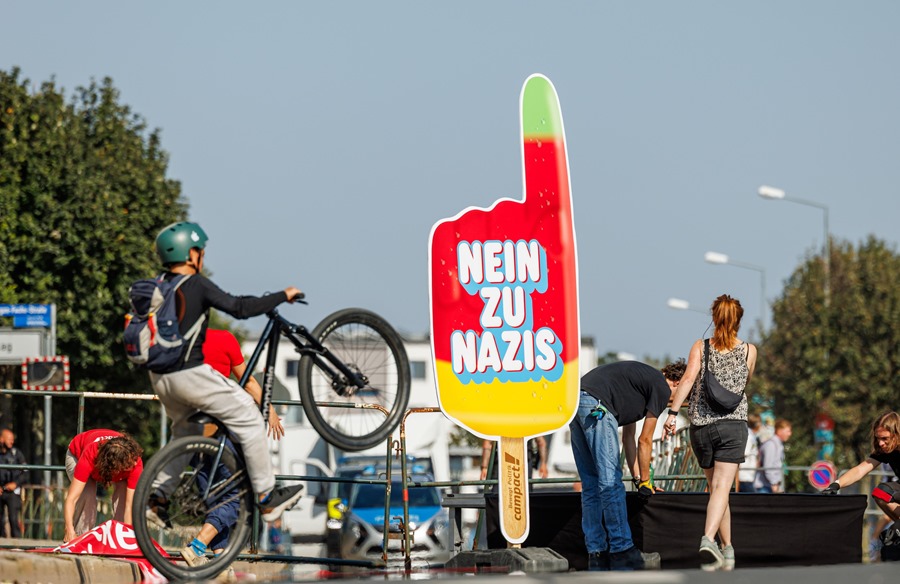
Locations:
{"points": [[429, 529]]}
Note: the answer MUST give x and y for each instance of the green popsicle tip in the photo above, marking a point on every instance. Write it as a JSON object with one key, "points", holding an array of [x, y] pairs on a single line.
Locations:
{"points": [[540, 109]]}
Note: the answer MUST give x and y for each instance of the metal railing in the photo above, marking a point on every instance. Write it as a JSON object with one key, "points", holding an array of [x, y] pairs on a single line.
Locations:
{"points": [[674, 468]]}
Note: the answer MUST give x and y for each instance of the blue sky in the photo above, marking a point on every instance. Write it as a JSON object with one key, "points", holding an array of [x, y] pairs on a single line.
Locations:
{"points": [[317, 142]]}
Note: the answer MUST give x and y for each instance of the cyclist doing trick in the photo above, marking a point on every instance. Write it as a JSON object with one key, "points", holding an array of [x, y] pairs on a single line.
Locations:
{"points": [[190, 385]]}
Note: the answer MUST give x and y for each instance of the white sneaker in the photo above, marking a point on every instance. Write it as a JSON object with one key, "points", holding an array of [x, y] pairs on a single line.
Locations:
{"points": [[191, 557], [728, 558], [711, 558]]}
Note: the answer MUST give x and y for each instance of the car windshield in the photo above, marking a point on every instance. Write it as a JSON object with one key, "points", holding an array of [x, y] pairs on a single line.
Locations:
{"points": [[368, 496]]}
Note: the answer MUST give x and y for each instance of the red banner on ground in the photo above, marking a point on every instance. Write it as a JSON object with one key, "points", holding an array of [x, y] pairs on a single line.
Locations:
{"points": [[112, 539]]}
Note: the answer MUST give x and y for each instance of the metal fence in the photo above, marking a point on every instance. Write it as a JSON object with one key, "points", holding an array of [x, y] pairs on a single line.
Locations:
{"points": [[674, 468]]}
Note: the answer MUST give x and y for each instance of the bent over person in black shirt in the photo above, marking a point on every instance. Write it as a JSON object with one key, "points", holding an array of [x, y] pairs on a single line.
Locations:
{"points": [[614, 395]]}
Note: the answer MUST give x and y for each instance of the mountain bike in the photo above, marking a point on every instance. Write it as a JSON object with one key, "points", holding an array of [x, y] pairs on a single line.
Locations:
{"points": [[353, 363]]}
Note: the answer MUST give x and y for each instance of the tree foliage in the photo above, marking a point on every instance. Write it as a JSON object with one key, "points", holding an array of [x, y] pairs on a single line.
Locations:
{"points": [[842, 359], [83, 193]]}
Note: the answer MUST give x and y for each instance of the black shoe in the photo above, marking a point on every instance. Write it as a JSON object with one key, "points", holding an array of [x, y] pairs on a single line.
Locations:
{"points": [[633, 559], [157, 512], [278, 501], [598, 562]]}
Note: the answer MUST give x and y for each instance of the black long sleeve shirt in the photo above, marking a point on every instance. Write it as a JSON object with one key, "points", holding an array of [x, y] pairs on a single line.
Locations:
{"points": [[198, 295]]}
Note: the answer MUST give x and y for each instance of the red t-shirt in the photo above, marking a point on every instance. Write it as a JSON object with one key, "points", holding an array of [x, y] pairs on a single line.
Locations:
{"points": [[221, 351], [84, 448]]}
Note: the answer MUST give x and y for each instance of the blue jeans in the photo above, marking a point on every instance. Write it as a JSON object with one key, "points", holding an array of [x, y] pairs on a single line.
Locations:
{"points": [[595, 444], [223, 516]]}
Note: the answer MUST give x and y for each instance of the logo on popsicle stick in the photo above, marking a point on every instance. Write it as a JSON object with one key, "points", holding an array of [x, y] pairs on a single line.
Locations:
{"points": [[504, 307]]}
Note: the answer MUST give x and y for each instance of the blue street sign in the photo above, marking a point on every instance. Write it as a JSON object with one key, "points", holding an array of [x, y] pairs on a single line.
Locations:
{"points": [[27, 315], [31, 320]]}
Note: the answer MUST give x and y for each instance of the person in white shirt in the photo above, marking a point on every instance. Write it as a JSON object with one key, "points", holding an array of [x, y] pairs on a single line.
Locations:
{"points": [[747, 471]]}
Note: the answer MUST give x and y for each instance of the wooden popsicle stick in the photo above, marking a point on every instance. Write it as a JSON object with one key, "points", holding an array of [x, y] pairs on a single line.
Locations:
{"points": [[513, 467]]}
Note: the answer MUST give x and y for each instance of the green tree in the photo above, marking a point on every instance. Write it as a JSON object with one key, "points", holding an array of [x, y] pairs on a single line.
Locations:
{"points": [[83, 192], [843, 358]]}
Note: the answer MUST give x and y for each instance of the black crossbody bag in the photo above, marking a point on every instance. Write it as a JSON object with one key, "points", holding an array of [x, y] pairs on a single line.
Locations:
{"points": [[719, 398]]}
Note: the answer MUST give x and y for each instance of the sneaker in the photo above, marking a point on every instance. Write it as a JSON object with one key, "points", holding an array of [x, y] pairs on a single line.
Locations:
{"points": [[157, 513], [278, 501], [710, 557], [598, 562], [632, 559], [652, 561], [191, 557], [728, 558]]}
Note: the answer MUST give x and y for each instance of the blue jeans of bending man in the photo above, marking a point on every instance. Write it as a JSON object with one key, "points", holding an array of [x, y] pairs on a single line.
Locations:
{"points": [[226, 506], [595, 443]]}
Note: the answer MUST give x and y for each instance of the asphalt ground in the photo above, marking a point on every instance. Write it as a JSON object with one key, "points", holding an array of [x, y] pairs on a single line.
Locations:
{"points": [[23, 567]]}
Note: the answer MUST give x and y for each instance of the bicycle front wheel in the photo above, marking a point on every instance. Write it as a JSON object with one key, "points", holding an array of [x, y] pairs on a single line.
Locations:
{"points": [[371, 348], [182, 488]]}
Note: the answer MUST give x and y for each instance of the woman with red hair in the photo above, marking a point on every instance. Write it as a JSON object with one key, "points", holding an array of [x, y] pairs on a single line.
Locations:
{"points": [[718, 435]]}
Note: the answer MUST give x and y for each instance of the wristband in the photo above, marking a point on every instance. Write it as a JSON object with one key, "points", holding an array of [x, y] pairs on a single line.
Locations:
{"points": [[673, 413], [648, 483]]}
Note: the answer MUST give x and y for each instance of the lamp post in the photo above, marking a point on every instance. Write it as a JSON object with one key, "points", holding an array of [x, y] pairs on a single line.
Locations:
{"points": [[714, 257], [768, 192], [680, 304]]}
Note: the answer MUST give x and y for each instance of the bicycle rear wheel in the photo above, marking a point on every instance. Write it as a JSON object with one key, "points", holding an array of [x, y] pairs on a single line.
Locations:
{"points": [[189, 460], [367, 345]]}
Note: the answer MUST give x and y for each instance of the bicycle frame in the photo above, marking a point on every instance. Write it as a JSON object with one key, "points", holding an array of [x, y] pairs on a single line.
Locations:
{"points": [[341, 376]]}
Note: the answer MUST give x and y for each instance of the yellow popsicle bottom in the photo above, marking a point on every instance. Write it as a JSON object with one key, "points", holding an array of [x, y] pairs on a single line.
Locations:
{"points": [[513, 409]]}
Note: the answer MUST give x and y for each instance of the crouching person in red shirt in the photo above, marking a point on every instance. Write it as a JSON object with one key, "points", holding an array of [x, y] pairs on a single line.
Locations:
{"points": [[100, 457]]}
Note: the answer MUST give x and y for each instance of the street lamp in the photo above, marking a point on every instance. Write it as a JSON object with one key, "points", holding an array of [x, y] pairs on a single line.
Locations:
{"points": [[768, 192], [714, 257], [680, 304]]}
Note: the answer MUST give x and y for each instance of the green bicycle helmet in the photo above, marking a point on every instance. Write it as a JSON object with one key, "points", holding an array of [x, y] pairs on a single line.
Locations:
{"points": [[174, 243]]}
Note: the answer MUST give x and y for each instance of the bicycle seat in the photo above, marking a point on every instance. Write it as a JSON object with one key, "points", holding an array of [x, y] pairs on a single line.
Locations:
{"points": [[203, 418]]}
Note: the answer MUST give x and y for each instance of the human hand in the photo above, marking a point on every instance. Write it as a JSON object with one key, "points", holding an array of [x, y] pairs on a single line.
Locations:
{"points": [[483, 473], [831, 489], [10, 486], [669, 427], [645, 491], [276, 430], [70, 535], [543, 471], [293, 294]]}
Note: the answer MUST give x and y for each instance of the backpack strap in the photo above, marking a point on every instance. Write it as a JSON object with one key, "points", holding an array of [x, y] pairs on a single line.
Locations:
{"points": [[193, 332], [705, 358], [182, 279]]}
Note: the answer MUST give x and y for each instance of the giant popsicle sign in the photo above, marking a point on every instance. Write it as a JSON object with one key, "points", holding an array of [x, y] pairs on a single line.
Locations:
{"points": [[504, 307]]}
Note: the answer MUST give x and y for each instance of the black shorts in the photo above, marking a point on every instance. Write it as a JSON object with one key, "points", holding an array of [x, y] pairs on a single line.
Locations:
{"points": [[722, 441]]}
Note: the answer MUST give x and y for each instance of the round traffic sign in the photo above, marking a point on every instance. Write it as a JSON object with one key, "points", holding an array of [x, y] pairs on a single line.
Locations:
{"points": [[822, 474]]}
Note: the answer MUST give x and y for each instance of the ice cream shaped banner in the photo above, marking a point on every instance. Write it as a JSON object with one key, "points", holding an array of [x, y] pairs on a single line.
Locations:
{"points": [[504, 307]]}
